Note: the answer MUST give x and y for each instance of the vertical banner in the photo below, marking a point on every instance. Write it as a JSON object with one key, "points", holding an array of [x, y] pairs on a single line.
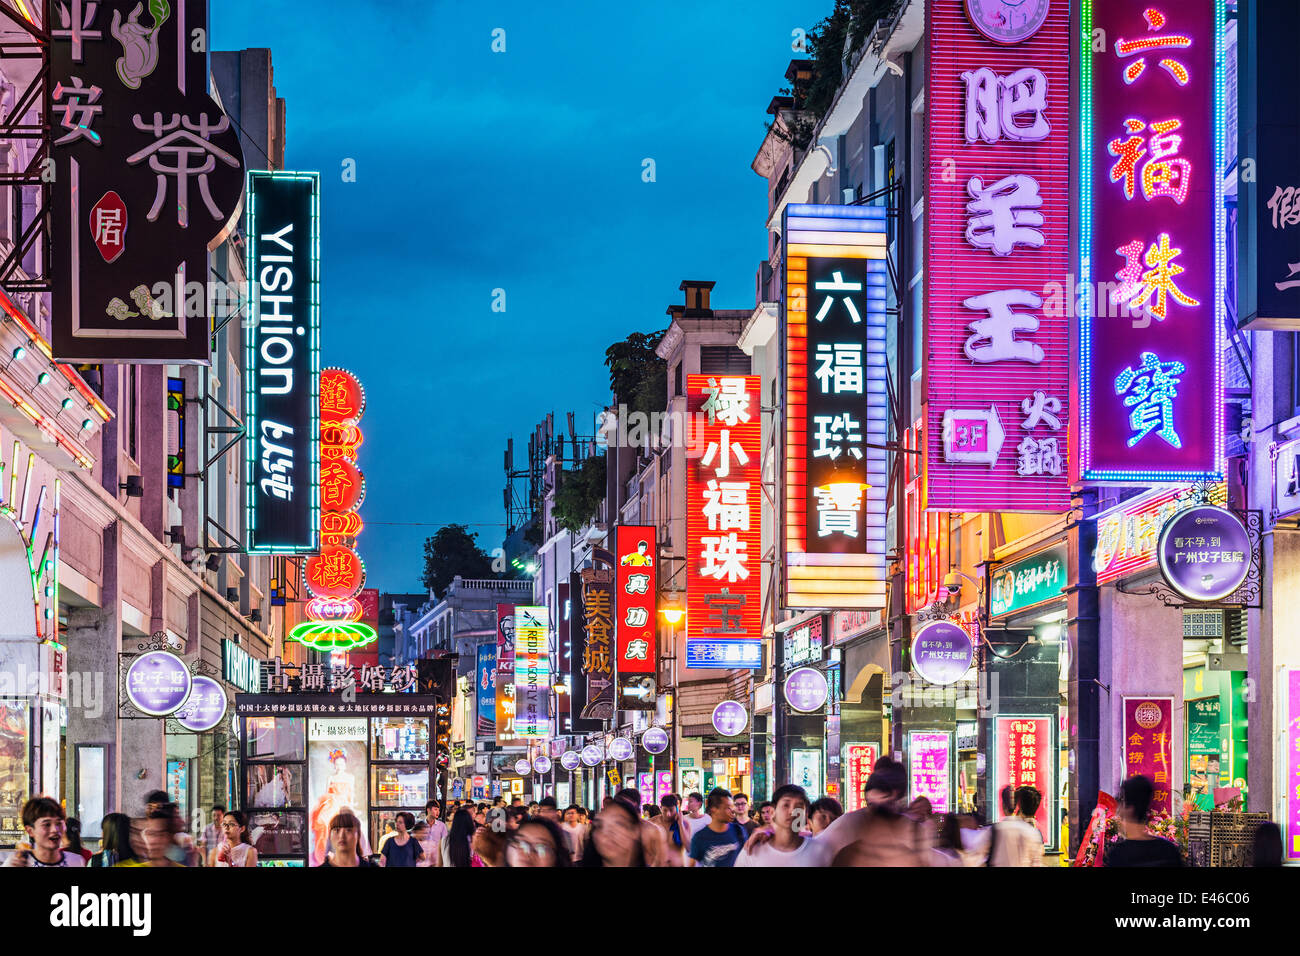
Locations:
{"points": [[1148, 745], [506, 733], [147, 176], [723, 507], [485, 683], [532, 671], [577, 657], [997, 323], [1026, 757], [1291, 740], [929, 768], [860, 760], [837, 402], [282, 364], [1152, 242], [598, 647], [636, 597]]}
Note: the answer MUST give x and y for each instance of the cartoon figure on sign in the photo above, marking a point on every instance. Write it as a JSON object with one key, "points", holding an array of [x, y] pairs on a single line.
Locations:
{"points": [[139, 43], [640, 558]]}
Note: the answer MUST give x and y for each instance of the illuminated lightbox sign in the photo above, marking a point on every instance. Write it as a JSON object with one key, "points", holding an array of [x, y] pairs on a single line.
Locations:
{"points": [[282, 364], [1026, 756], [726, 655], [804, 643], [158, 683], [1128, 535], [1205, 553], [997, 286], [723, 510], [637, 594], [1152, 242], [655, 740], [204, 708], [837, 398], [532, 671], [929, 768], [1028, 582]]}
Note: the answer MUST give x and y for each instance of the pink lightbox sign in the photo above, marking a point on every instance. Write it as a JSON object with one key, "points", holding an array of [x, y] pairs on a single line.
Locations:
{"points": [[997, 314]]}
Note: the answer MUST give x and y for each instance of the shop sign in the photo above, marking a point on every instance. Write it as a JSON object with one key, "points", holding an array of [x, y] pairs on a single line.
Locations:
{"points": [[1204, 723], [942, 652], [724, 655], [1148, 745], [532, 671], [1205, 553], [505, 695], [523, 767], [485, 693], [570, 759], [654, 740], [239, 668], [806, 771], [620, 748], [478, 787], [860, 760], [158, 683], [998, 223], [592, 755], [282, 364], [204, 708], [804, 643], [146, 176], [1028, 582], [730, 718], [1286, 464], [598, 650], [929, 767], [313, 705], [542, 763], [638, 591], [849, 624], [967, 736], [1152, 241], [723, 511], [837, 402], [1128, 535], [806, 689], [1292, 739], [1026, 757]]}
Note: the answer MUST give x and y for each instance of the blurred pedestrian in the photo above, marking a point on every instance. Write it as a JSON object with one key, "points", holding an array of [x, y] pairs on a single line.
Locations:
{"points": [[456, 844], [234, 849], [430, 850], [1267, 845], [537, 842], [789, 846], [489, 846], [879, 834], [718, 843], [44, 823], [615, 838], [823, 813], [1017, 840], [1139, 847], [153, 839], [114, 841]]}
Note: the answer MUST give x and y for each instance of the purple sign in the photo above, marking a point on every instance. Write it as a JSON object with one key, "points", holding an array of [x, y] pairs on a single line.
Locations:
{"points": [[655, 740], [620, 748], [592, 755], [928, 765], [542, 763], [730, 718], [205, 707], [157, 683], [1292, 738], [805, 689], [942, 652], [1205, 553], [523, 767], [570, 759]]}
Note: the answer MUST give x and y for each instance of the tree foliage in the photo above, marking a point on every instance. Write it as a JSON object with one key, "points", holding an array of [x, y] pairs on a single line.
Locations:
{"points": [[638, 377], [854, 19], [580, 493], [453, 550]]}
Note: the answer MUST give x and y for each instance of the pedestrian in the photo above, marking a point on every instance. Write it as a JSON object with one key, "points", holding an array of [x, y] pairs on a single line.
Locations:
{"points": [[693, 819], [235, 849], [548, 809], [947, 850], [153, 838], [653, 839], [575, 834], [533, 808], [615, 838], [741, 802], [437, 829], [718, 843], [481, 814], [763, 818], [212, 832], [669, 821], [1267, 845], [456, 844], [788, 846], [1139, 847], [114, 841], [823, 813], [879, 834], [430, 852], [44, 822], [922, 813], [515, 816], [537, 842], [344, 839], [403, 849], [72, 839], [1017, 840]]}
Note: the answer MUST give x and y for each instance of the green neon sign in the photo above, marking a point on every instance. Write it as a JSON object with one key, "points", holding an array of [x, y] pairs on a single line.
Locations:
{"points": [[1028, 582]]}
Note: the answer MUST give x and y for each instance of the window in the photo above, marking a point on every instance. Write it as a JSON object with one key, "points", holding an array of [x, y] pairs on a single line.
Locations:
{"points": [[133, 411], [723, 360], [677, 379]]}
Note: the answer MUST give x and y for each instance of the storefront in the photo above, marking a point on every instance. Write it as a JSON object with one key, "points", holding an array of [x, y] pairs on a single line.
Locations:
{"points": [[306, 757], [859, 691]]}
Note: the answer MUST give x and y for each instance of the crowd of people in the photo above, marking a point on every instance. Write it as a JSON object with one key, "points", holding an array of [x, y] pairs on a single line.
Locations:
{"points": [[717, 830]]}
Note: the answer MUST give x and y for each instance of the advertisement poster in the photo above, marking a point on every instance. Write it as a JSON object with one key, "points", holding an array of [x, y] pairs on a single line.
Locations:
{"points": [[929, 768], [485, 674], [860, 760], [806, 771], [1026, 758], [1148, 749], [336, 775], [505, 694]]}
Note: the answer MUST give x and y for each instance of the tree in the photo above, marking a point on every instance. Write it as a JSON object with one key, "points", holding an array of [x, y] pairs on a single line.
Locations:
{"points": [[453, 550], [581, 491], [854, 19], [638, 377]]}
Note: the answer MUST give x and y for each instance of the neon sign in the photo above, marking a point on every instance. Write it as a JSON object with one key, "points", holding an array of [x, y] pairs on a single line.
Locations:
{"points": [[1152, 241]]}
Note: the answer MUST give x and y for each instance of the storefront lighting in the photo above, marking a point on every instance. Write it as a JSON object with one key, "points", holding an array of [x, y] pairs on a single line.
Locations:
{"points": [[673, 615], [19, 352], [42, 378], [67, 403]]}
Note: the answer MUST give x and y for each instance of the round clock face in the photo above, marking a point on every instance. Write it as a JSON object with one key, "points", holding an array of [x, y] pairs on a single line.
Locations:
{"points": [[1007, 21]]}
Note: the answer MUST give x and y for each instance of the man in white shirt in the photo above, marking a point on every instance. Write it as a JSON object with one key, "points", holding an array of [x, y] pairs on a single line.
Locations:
{"points": [[1016, 840], [788, 846], [45, 822], [437, 829], [693, 820]]}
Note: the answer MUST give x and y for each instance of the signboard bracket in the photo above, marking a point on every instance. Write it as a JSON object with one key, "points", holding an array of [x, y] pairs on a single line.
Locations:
{"points": [[13, 276], [1249, 595], [231, 438]]}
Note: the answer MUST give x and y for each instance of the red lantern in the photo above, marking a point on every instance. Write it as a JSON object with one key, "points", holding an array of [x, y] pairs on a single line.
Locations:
{"points": [[342, 399], [337, 572]]}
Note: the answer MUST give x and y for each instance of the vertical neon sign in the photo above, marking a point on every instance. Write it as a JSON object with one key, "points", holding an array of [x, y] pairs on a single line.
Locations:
{"points": [[1152, 246]]}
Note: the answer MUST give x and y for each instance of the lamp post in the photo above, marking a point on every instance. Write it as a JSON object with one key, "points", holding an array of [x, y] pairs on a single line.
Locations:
{"points": [[674, 612]]}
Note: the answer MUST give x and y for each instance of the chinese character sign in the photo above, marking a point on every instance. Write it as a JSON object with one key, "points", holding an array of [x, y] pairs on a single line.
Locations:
{"points": [[929, 766], [997, 323], [282, 364], [637, 598], [485, 689], [1025, 757], [723, 495], [532, 671], [147, 173], [599, 645], [1128, 535], [1148, 746], [860, 760], [505, 681], [837, 401], [1152, 242]]}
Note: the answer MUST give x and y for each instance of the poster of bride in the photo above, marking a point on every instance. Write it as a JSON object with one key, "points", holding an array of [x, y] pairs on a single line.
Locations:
{"points": [[337, 779]]}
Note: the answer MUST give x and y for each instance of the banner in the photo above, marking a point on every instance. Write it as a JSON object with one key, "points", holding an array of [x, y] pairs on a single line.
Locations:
{"points": [[485, 680], [532, 671], [598, 626], [1148, 745], [506, 734], [577, 695], [1026, 756]]}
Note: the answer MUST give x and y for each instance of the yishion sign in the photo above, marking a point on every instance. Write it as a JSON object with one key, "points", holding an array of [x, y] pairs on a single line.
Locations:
{"points": [[282, 364], [148, 177]]}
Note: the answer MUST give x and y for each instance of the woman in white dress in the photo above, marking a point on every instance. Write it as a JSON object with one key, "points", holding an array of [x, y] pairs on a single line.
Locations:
{"points": [[234, 849]]}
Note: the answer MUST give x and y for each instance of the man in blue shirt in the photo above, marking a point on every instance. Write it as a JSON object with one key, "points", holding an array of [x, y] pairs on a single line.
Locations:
{"points": [[719, 843]]}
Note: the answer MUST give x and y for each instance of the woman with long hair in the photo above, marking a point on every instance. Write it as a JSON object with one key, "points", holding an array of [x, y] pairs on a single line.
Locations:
{"points": [[345, 841], [615, 837], [114, 842], [72, 839], [235, 848], [456, 844], [338, 796], [537, 842]]}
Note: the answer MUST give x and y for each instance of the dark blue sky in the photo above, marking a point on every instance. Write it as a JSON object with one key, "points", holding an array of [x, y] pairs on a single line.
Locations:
{"points": [[521, 171]]}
